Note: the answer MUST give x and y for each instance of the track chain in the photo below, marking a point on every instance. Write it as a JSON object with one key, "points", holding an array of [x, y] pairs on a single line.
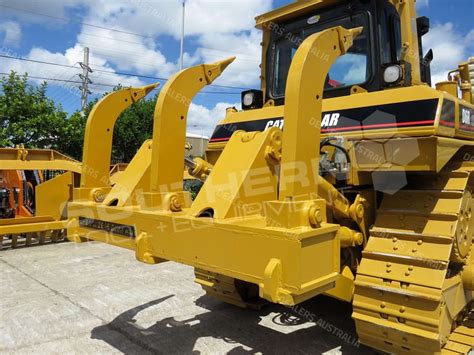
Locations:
{"points": [[409, 295]]}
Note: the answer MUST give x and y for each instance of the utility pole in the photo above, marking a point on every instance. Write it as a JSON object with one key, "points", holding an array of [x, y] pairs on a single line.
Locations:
{"points": [[86, 70], [181, 66]]}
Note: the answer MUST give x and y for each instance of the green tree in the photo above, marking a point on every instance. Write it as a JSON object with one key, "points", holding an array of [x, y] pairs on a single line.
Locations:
{"points": [[73, 140], [134, 126], [28, 116]]}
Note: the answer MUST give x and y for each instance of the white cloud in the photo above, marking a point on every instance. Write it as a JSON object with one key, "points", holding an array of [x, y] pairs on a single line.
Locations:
{"points": [[470, 38], [67, 92], [218, 31], [202, 120], [450, 49], [27, 10], [353, 65], [164, 17], [126, 52], [11, 33], [210, 17], [244, 71], [422, 3]]}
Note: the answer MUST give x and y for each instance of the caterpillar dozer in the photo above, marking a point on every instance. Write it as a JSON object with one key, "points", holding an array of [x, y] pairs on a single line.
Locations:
{"points": [[346, 174]]}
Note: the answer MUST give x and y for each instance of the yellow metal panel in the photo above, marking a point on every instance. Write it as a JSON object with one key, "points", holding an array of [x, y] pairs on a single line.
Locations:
{"points": [[391, 96], [169, 127], [53, 195], [236, 187], [99, 133], [226, 248], [25, 220], [135, 179], [344, 288], [303, 102]]}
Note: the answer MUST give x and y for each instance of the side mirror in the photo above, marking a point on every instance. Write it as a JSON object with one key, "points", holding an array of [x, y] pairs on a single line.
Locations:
{"points": [[422, 25], [426, 67], [428, 58]]}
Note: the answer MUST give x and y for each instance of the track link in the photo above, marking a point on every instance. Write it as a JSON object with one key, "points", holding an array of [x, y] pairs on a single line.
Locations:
{"points": [[461, 339], [31, 239], [409, 294]]}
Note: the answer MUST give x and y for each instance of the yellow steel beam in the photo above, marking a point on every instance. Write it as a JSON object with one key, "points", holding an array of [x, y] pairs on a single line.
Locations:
{"points": [[25, 220], [135, 178], [36, 159], [31, 226], [99, 133], [242, 251], [274, 246], [231, 187], [169, 127], [410, 49], [303, 107]]}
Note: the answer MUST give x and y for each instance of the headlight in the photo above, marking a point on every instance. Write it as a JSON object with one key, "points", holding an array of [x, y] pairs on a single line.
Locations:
{"points": [[392, 74], [252, 99], [248, 99]]}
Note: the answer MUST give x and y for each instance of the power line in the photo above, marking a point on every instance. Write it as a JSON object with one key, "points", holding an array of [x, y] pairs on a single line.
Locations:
{"points": [[113, 72], [158, 78], [74, 21], [36, 61], [249, 56], [230, 52], [55, 79], [121, 55], [109, 38], [255, 61], [66, 96], [53, 90], [103, 28], [113, 86], [114, 30]]}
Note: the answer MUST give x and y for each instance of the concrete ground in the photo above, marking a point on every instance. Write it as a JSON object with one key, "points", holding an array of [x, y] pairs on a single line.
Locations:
{"points": [[95, 298]]}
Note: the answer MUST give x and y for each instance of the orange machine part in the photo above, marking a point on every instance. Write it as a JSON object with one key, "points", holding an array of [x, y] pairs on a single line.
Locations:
{"points": [[21, 185]]}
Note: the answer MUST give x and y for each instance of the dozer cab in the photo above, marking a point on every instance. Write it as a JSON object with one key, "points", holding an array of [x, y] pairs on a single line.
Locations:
{"points": [[346, 174]]}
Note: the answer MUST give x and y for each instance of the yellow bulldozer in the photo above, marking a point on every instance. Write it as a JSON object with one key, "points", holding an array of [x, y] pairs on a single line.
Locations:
{"points": [[346, 174]]}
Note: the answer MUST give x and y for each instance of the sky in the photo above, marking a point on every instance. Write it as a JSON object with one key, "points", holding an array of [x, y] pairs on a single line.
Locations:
{"points": [[142, 38]]}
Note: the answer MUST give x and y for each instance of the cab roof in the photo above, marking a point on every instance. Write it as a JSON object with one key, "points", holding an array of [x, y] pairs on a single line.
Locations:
{"points": [[293, 10]]}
